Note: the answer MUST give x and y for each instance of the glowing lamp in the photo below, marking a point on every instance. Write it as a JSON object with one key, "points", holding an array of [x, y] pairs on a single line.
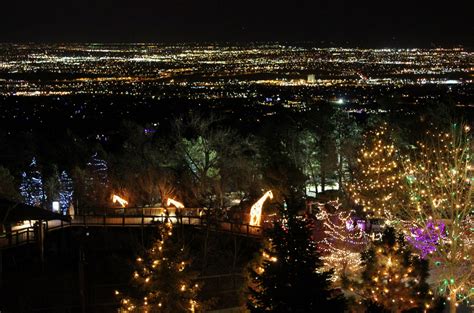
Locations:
{"points": [[55, 206]]}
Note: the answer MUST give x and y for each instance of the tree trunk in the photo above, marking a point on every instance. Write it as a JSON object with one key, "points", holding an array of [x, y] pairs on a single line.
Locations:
{"points": [[452, 303], [323, 181], [339, 170]]}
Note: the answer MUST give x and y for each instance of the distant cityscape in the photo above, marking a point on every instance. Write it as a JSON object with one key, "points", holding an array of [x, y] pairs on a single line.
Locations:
{"points": [[256, 75]]}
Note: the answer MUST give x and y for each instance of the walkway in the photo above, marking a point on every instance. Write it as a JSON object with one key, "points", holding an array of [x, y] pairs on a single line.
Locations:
{"points": [[142, 218]]}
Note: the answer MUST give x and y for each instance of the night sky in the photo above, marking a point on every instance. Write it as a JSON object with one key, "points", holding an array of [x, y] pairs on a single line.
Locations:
{"points": [[351, 22]]}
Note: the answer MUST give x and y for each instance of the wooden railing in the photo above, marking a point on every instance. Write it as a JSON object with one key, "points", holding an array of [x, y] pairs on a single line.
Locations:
{"points": [[18, 237], [27, 235]]}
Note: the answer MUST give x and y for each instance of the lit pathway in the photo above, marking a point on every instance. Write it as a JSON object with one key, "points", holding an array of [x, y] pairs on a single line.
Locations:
{"points": [[144, 218]]}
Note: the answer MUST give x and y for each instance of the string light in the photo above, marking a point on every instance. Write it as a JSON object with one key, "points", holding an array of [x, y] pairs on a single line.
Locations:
{"points": [[342, 242], [440, 211], [377, 185], [161, 264]]}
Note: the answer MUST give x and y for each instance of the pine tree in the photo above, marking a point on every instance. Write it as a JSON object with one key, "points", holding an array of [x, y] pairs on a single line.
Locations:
{"points": [[31, 187], [393, 279], [95, 182], [98, 170], [289, 278], [66, 191], [378, 183], [163, 281]]}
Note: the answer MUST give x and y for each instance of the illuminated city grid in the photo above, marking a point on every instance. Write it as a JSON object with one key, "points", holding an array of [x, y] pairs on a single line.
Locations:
{"points": [[141, 69]]}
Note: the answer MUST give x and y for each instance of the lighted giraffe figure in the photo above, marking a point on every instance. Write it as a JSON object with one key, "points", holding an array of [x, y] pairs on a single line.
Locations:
{"points": [[120, 200], [177, 204], [256, 209]]}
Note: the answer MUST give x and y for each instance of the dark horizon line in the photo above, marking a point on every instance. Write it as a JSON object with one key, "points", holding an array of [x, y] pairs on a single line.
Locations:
{"points": [[313, 43]]}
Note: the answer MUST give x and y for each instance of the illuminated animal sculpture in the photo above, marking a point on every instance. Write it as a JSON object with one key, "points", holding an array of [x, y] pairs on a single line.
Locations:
{"points": [[256, 209]]}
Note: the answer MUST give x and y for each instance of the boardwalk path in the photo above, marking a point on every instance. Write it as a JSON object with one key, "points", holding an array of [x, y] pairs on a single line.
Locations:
{"points": [[141, 218]]}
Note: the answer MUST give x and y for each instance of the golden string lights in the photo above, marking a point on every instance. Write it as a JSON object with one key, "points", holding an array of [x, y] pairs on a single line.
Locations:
{"points": [[439, 180], [343, 241], [392, 278], [377, 185], [430, 186], [165, 282]]}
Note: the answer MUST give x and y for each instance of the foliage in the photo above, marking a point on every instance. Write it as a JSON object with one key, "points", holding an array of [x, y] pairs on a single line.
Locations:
{"points": [[8, 188], [393, 280], [31, 187], [66, 191], [92, 183], [377, 184], [289, 278], [439, 179], [163, 281], [215, 160], [342, 243]]}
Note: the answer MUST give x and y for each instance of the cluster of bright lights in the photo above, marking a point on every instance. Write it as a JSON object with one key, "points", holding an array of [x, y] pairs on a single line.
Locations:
{"points": [[31, 187], [151, 270], [377, 183], [343, 242], [425, 239], [440, 184], [392, 283]]}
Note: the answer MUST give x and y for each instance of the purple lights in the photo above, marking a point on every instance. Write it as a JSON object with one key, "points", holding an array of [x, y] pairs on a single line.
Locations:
{"points": [[426, 238]]}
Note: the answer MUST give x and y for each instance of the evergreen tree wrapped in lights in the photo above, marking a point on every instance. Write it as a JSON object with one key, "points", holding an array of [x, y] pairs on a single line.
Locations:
{"points": [[66, 191], [31, 187], [162, 280], [377, 183], [98, 170], [342, 243], [393, 280], [289, 277], [439, 181]]}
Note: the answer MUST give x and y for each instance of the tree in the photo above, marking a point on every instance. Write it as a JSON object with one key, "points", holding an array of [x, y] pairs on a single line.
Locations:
{"points": [[66, 191], [214, 158], [378, 178], [163, 281], [51, 186], [439, 179], [143, 167], [98, 170], [342, 243], [92, 183], [290, 276], [284, 152], [8, 190], [393, 280], [347, 136], [31, 187], [323, 126]]}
